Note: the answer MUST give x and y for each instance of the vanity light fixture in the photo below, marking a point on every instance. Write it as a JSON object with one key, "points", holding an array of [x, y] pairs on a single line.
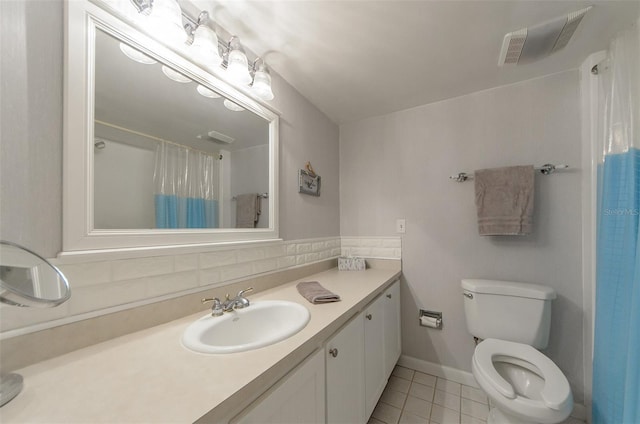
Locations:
{"points": [[232, 106], [143, 6], [205, 43], [261, 85], [164, 18], [175, 75], [136, 55]]}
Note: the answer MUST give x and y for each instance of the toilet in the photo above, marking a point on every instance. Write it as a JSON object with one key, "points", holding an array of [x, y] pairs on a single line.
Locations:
{"points": [[513, 320]]}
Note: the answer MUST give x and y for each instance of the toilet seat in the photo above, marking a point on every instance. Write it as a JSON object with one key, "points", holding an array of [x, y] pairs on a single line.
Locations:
{"points": [[556, 393]]}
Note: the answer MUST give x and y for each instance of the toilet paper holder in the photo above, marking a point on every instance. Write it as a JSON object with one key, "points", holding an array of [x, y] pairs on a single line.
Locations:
{"points": [[430, 319]]}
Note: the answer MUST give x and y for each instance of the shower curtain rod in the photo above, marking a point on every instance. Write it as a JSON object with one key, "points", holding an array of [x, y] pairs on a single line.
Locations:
{"points": [[545, 169], [154, 138]]}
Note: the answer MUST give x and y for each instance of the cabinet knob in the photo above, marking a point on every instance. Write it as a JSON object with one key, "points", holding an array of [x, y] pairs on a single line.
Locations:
{"points": [[333, 352], [389, 295], [369, 316]]}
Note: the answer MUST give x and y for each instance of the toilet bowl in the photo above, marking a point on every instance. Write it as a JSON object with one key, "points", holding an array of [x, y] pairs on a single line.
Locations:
{"points": [[524, 385]]}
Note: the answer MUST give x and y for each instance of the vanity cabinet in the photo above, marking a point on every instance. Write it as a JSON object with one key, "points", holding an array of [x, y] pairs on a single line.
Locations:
{"points": [[392, 332], [381, 343], [374, 343], [366, 351], [298, 398], [345, 374], [343, 382]]}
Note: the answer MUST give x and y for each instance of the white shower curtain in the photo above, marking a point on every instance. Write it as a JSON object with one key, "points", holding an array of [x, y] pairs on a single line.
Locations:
{"points": [[186, 188]]}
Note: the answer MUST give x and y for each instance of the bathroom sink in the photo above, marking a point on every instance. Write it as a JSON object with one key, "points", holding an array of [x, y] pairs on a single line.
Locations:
{"points": [[261, 324]]}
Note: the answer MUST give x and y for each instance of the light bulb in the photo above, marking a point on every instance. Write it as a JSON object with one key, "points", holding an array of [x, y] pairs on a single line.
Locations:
{"points": [[238, 67], [262, 84], [205, 46], [165, 21]]}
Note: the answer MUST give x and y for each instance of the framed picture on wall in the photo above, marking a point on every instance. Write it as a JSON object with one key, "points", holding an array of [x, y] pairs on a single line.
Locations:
{"points": [[308, 183]]}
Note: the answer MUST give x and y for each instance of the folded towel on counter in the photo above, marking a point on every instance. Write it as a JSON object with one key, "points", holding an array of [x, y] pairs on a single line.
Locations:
{"points": [[504, 200], [315, 293]]}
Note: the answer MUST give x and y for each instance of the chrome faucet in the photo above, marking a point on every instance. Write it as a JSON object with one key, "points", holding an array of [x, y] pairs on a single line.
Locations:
{"points": [[218, 308], [237, 302]]}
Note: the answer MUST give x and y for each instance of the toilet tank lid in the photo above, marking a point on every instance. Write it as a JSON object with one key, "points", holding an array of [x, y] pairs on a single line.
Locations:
{"points": [[509, 288]]}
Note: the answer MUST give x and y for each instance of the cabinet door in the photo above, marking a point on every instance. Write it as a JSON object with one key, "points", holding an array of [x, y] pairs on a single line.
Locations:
{"points": [[345, 374], [374, 364], [298, 398], [392, 332]]}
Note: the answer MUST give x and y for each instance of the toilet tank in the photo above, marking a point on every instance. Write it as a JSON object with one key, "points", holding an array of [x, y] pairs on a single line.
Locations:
{"points": [[506, 310]]}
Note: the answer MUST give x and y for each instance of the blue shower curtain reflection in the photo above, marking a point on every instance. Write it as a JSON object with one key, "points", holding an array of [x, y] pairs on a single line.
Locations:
{"points": [[186, 188]]}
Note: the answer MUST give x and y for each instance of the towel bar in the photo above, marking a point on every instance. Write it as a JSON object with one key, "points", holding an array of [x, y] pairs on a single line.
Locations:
{"points": [[263, 195], [545, 169]]}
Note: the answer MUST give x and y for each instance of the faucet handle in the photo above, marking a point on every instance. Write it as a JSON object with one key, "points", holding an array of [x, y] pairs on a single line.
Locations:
{"points": [[242, 292], [210, 299], [240, 301]]}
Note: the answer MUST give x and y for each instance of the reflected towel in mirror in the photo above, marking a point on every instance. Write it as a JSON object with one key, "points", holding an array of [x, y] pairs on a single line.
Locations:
{"points": [[248, 209]]}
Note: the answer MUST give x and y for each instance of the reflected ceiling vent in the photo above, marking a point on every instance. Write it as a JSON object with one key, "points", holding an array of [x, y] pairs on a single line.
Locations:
{"points": [[533, 43], [217, 137]]}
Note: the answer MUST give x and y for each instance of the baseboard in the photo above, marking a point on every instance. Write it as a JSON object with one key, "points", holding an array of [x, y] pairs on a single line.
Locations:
{"points": [[579, 412], [464, 377], [442, 371]]}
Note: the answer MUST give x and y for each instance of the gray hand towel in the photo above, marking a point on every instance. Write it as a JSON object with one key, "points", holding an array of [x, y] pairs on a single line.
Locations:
{"points": [[247, 210], [504, 200], [315, 293]]}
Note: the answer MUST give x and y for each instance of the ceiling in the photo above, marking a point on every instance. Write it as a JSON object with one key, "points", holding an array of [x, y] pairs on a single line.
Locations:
{"points": [[357, 59]]}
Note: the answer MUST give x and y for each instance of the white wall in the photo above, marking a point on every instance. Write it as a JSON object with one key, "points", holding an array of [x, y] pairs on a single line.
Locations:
{"points": [[124, 190], [31, 124], [306, 135], [397, 166]]}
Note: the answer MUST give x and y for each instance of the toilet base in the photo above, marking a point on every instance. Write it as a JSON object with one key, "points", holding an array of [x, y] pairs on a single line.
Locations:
{"points": [[497, 416]]}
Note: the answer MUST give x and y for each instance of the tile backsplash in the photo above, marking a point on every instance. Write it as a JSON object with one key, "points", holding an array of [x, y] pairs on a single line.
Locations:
{"points": [[104, 286], [372, 247]]}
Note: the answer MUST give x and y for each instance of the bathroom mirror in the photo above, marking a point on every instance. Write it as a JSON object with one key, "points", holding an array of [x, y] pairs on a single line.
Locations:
{"points": [[159, 151], [27, 279]]}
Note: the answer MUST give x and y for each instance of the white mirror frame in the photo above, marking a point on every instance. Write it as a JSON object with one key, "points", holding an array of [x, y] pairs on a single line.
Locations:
{"points": [[82, 18]]}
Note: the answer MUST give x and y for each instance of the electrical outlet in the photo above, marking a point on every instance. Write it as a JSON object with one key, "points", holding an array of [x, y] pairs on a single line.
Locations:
{"points": [[401, 226]]}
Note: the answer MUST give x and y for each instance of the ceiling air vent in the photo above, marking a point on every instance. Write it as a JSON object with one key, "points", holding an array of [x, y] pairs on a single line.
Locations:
{"points": [[217, 137], [512, 47], [533, 43]]}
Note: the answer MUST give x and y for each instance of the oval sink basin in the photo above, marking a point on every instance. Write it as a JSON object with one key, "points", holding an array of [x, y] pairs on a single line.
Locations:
{"points": [[261, 324]]}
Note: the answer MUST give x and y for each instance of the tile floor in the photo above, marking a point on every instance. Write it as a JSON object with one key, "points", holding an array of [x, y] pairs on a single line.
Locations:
{"points": [[413, 397]]}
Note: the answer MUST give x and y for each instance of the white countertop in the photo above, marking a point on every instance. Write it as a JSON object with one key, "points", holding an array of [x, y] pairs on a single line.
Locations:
{"points": [[148, 376]]}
